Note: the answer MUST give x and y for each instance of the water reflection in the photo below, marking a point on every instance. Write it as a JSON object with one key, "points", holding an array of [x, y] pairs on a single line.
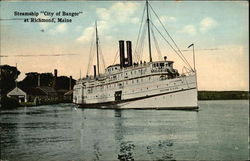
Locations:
{"points": [[151, 137], [126, 148], [63, 132]]}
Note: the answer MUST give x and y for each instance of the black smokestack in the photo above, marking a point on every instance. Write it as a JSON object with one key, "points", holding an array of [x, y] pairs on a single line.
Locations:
{"points": [[122, 53], [94, 71], [70, 82], [55, 73], [39, 81], [129, 53], [55, 79]]}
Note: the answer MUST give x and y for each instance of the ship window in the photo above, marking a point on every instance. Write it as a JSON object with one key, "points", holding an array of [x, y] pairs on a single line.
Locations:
{"points": [[137, 80], [157, 64], [131, 72], [149, 78], [126, 73], [162, 64]]}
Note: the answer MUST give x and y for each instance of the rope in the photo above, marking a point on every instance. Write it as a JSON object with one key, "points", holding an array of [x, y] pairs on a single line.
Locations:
{"points": [[90, 55], [183, 58], [169, 44], [156, 43], [142, 42], [102, 57], [116, 57], [137, 55]]}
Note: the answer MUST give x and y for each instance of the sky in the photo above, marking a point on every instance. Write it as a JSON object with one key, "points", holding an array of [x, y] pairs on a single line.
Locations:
{"points": [[218, 30]]}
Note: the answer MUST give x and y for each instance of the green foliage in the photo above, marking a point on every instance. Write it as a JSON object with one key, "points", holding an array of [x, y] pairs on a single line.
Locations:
{"points": [[8, 76], [31, 80], [62, 82], [9, 103], [46, 79], [223, 95]]}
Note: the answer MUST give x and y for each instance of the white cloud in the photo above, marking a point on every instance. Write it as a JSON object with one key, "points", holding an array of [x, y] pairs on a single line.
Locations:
{"points": [[43, 25], [120, 12], [207, 24], [61, 28], [135, 20], [189, 29], [86, 35], [103, 13], [165, 19], [78, 28]]}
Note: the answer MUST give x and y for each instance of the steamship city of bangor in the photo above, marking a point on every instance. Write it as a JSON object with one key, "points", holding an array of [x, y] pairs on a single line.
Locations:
{"points": [[144, 85]]}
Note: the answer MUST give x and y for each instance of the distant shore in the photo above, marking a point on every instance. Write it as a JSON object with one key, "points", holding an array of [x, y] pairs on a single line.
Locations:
{"points": [[223, 95]]}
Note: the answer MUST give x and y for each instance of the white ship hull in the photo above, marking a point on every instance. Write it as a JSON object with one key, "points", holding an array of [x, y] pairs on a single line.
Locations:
{"points": [[176, 93], [184, 99]]}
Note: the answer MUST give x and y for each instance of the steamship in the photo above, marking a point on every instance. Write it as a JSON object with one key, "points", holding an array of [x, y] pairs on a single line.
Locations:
{"points": [[138, 85]]}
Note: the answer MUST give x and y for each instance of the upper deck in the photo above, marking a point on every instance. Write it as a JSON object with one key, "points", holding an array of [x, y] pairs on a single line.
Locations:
{"points": [[114, 73]]}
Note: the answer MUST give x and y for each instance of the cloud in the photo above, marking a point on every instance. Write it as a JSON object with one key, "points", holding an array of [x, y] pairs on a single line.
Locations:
{"points": [[189, 29], [43, 25], [86, 35], [119, 13], [61, 28], [103, 13], [78, 28], [165, 19], [207, 24], [122, 12], [135, 20]]}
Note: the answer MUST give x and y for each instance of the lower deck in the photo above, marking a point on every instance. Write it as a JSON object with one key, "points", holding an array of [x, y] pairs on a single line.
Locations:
{"points": [[152, 94]]}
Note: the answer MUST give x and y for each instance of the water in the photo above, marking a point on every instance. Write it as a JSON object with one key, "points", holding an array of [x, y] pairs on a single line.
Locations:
{"points": [[219, 131]]}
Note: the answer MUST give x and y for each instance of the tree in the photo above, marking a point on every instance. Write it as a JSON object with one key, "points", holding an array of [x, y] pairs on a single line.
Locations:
{"points": [[31, 80], [8, 76], [62, 82]]}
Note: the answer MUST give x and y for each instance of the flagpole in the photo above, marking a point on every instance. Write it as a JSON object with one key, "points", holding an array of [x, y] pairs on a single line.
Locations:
{"points": [[194, 67], [194, 58], [16, 76]]}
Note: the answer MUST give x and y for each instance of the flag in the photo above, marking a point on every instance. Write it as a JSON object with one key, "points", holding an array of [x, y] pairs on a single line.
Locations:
{"points": [[190, 45]]}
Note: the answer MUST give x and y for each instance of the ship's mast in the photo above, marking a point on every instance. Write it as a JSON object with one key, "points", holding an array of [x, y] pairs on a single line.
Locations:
{"points": [[97, 47], [149, 40]]}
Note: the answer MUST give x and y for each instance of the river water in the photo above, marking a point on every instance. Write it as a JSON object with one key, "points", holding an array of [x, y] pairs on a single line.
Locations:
{"points": [[219, 131]]}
